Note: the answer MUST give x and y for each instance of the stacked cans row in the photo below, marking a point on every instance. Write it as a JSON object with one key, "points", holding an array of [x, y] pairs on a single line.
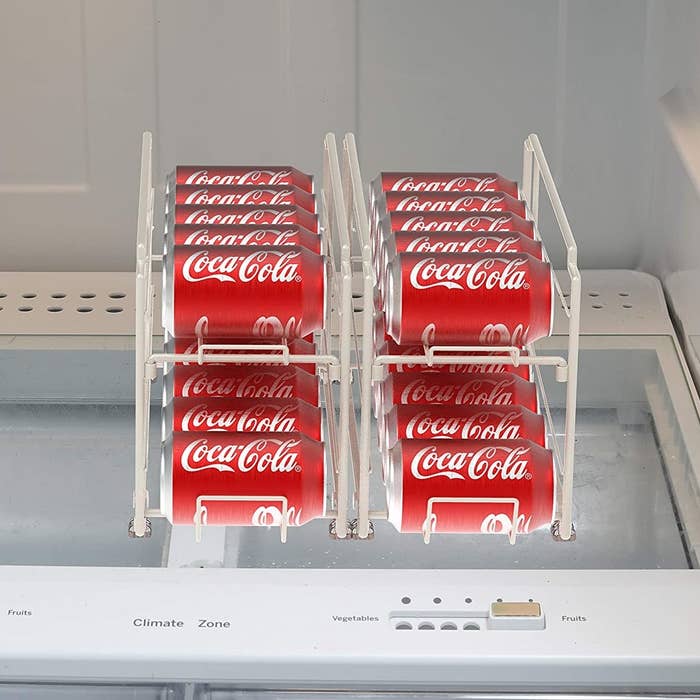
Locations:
{"points": [[243, 273], [458, 264]]}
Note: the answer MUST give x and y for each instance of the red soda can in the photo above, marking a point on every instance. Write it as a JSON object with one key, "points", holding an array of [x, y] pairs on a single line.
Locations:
{"points": [[236, 175], [266, 474], [205, 215], [461, 242], [190, 346], [392, 348], [426, 221], [188, 234], [445, 182], [404, 422], [457, 390], [506, 486], [446, 201], [248, 195], [244, 291], [242, 416], [468, 299], [224, 381]]}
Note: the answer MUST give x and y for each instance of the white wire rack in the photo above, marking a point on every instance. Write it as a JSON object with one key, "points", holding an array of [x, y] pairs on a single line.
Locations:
{"points": [[332, 362], [373, 367]]}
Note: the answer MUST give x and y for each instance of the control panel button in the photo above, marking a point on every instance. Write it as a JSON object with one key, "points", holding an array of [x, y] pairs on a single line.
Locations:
{"points": [[516, 615]]}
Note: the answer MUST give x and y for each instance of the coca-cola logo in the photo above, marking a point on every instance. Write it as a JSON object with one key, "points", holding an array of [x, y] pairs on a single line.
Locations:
{"points": [[500, 334], [467, 203], [459, 183], [259, 236], [475, 393], [478, 222], [262, 418], [265, 454], [256, 385], [488, 273], [260, 266], [201, 217], [237, 198], [267, 177], [491, 462], [272, 327], [486, 425], [475, 244]]}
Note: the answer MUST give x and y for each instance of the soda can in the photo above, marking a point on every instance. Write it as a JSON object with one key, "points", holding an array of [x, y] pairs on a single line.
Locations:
{"points": [[447, 201], [211, 215], [236, 175], [443, 182], [225, 381], [238, 195], [434, 222], [456, 390], [405, 422], [242, 478], [244, 291], [470, 486], [392, 348], [188, 234], [242, 416], [468, 299]]}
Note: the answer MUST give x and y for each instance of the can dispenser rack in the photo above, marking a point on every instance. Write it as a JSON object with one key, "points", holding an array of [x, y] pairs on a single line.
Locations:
{"points": [[332, 361], [344, 228]]}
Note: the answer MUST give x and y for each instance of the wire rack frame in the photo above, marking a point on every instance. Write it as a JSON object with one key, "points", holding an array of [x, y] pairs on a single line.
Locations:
{"points": [[333, 365], [373, 367]]}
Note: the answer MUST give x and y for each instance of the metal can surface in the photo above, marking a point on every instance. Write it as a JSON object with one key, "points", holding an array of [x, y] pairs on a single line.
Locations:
{"points": [[408, 351], [210, 215], [232, 175], [244, 291], [456, 390], [404, 422], [224, 381], [469, 486], [246, 234], [243, 195], [242, 478], [242, 416], [468, 299]]}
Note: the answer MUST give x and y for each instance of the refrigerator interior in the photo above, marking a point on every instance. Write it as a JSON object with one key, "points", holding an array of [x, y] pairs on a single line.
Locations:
{"points": [[612, 89]]}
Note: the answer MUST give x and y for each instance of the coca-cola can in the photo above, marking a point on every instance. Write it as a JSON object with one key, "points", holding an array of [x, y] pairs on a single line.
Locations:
{"points": [[456, 390], [408, 351], [444, 182], [248, 195], [238, 382], [468, 299], [404, 422], [429, 222], [244, 291], [236, 175], [242, 478], [470, 486], [210, 215], [447, 201], [188, 234], [190, 346], [242, 416]]}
